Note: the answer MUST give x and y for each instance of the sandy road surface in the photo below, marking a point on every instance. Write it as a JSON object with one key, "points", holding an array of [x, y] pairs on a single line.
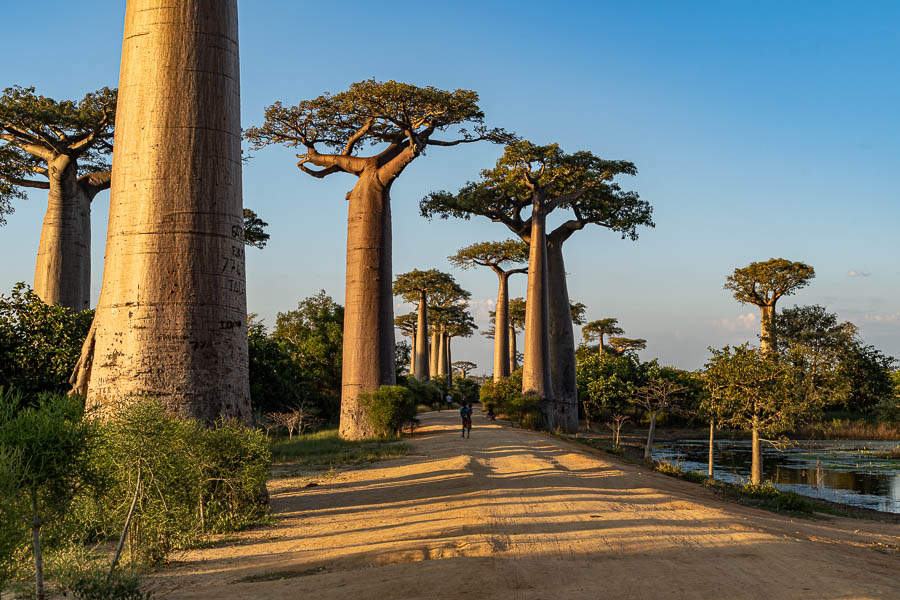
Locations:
{"points": [[515, 514]]}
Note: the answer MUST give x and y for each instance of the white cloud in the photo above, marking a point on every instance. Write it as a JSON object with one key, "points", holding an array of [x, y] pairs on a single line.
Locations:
{"points": [[882, 318], [745, 322], [855, 273]]}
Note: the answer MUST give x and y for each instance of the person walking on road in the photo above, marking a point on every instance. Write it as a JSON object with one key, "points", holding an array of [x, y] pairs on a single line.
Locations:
{"points": [[466, 414], [449, 400]]}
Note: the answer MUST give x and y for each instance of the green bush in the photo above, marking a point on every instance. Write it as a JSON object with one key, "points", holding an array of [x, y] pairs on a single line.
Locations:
{"points": [[524, 409], [95, 583], [389, 408], [465, 390], [428, 393], [768, 496]]}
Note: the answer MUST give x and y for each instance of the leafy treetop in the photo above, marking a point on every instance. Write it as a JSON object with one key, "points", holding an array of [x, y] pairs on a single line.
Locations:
{"points": [[36, 130], [493, 255], [407, 323], [623, 344], [439, 287], [597, 330], [254, 230], [401, 116], [580, 182], [763, 283]]}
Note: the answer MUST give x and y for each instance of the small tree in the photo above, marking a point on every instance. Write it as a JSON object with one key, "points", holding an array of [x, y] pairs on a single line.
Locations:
{"points": [[623, 344], [762, 284], [615, 426], [595, 331], [607, 382], [464, 366], [255, 230], [659, 395], [750, 390], [53, 444]]}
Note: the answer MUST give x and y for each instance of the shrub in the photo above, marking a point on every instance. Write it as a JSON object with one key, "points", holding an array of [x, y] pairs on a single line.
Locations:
{"points": [[389, 408], [524, 409], [768, 496], [95, 583], [428, 393], [465, 390]]}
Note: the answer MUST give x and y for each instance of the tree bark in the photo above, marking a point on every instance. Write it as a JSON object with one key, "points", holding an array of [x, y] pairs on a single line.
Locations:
{"points": [[766, 335], [36, 542], [756, 461], [648, 449], [711, 471], [562, 340], [502, 361], [441, 359], [171, 318], [433, 351], [513, 350], [421, 345], [536, 370], [449, 363], [62, 274], [412, 357], [369, 313]]}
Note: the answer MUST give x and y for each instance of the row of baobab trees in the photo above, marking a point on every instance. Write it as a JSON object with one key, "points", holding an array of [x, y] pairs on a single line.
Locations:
{"points": [[171, 317]]}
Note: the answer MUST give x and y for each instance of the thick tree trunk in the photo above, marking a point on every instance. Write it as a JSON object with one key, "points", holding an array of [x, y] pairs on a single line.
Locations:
{"points": [[171, 318], [421, 346], [449, 363], [62, 274], [502, 361], [756, 461], [433, 351], [412, 356], [369, 314], [648, 449], [536, 369], [711, 470], [562, 340], [441, 359], [513, 350], [766, 335]]}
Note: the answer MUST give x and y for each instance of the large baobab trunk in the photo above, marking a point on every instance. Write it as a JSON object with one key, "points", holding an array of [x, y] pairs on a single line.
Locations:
{"points": [[766, 335], [369, 314], [441, 359], [412, 357], [62, 274], [562, 341], [502, 360], [536, 370], [171, 318], [420, 357], [449, 363], [756, 460], [433, 351], [513, 350]]}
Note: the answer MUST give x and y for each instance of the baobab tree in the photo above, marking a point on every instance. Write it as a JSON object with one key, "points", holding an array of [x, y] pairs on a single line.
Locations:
{"points": [[516, 324], [171, 317], [457, 323], [403, 120], [595, 331], [62, 147], [464, 366], [762, 284], [544, 178], [407, 325], [495, 255], [420, 287], [623, 344]]}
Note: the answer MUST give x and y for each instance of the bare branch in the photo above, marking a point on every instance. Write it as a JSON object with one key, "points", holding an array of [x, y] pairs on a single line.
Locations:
{"points": [[354, 139], [94, 183], [41, 185]]}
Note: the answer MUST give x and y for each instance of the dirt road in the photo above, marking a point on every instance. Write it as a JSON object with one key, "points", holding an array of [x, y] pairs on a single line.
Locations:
{"points": [[520, 515]]}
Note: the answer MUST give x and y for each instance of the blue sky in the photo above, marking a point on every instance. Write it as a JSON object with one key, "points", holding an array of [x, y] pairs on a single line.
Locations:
{"points": [[760, 129]]}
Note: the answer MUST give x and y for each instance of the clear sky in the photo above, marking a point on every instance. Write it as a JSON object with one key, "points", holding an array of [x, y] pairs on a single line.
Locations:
{"points": [[760, 129]]}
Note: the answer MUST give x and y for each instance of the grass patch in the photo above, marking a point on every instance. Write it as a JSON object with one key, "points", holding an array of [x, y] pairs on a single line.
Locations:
{"points": [[280, 575], [325, 450]]}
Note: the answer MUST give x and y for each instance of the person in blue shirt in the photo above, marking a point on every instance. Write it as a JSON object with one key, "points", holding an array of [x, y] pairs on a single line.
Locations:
{"points": [[466, 414]]}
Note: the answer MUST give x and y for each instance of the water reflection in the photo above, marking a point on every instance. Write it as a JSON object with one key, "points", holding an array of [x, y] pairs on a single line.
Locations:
{"points": [[840, 471]]}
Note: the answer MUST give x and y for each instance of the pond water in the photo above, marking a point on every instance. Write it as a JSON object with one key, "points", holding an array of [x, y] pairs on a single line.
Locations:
{"points": [[850, 472]]}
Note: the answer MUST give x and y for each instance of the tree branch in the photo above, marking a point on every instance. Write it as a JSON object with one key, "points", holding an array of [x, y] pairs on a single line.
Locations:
{"points": [[41, 185], [94, 183], [34, 148], [351, 143]]}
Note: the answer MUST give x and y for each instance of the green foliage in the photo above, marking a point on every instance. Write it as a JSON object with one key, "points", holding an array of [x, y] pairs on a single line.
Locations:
{"points": [[429, 392], [596, 331], [255, 230], [96, 583], [389, 408], [491, 254], [276, 380], [506, 397], [747, 387], [763, 283], [189, 479], [39, 343], [607, 382], [767, 496], [465, 389]]}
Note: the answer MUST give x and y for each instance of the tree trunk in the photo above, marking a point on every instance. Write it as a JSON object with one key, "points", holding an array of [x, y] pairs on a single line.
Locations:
{"points": [[369, 314], [36, 541], [587, 417], [421, 354], [433, 351], [536, 370], [502, 361], [648, 449], [62, 274], [171, 318], [712, 457], [766, 335], [441, 358], [756, 462], [449, 363], [562, 340], [412, 357], [513, 350]]}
